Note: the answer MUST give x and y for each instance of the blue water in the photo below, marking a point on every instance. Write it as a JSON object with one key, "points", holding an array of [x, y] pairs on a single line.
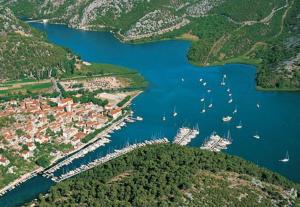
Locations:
{"points": [[163, 64]]}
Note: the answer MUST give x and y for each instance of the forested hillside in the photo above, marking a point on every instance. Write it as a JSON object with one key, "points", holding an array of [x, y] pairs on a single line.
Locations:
{"points": [[265, 32], [25, 52], [171, 175]]}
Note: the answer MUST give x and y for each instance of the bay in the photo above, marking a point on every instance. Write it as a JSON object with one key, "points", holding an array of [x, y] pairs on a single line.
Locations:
{"points": [[174, 84]]}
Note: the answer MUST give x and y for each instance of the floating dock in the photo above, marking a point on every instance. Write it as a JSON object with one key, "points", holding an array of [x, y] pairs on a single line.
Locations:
{"points": [[216, 143], [185, 135]]}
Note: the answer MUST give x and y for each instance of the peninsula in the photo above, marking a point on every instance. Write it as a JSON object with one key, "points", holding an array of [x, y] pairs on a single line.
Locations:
{"points": [[173, 175]]}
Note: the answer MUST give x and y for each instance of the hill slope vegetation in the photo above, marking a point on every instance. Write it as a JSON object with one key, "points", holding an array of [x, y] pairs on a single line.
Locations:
{"points": [[171, 175], [25, 52], [265, 33]]}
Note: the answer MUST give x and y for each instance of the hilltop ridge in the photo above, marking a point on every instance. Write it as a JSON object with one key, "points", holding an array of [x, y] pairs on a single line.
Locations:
{"points": [[264, 33]]}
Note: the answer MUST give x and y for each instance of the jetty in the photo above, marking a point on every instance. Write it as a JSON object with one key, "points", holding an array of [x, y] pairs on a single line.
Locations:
{"points": [[185, 135], [216, 143], [108, 157], [100, 140]]}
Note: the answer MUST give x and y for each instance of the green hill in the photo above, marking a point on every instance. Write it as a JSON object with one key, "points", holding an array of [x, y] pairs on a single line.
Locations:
{"points": [[265, 32], [25, 52], [171, 175]]}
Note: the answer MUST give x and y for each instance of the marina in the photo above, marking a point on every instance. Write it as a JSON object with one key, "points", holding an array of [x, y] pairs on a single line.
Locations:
{"points": [[107, 158], [185, 135], [81, 153], [165, 92], [101, 140], [216, 143]]}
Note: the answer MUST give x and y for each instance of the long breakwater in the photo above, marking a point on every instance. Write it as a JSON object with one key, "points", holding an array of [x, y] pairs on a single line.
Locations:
{"points": [[106, 158]]}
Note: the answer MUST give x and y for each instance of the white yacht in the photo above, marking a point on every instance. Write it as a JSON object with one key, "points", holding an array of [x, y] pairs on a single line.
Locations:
{"points": [[235, 110], [174, 113], [204, 84], [164, 118], [203, 110], [200, 79], [257, 105], [139, 118], [202, 99], [286, 159], [228, 90], [182, 79], [240, 125], [256, 136], [230, 100], [226, 118], [210, 105], [209, 90]]}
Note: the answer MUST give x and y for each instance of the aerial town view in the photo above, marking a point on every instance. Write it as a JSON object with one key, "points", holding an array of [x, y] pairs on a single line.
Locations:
{"points": [[149, 103]]}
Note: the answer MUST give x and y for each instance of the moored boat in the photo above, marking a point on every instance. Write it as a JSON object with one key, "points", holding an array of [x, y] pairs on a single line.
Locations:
{"points": [[226, 118]]}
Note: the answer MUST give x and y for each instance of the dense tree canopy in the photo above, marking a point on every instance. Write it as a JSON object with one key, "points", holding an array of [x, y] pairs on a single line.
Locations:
{"points": [[170, 175]]}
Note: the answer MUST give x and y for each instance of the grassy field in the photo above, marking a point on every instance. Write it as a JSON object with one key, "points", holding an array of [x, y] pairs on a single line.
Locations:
{"points": [[25, 86], [134, 78]]}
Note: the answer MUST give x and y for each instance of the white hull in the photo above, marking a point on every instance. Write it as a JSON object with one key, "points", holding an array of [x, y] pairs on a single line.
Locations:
{"points": [[284, 160], [226, 119]]}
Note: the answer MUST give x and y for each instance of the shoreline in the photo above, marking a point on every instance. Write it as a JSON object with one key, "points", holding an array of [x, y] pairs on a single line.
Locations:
{"points": [[10, 186], [108, 157], [20, 180], [159, 38]]}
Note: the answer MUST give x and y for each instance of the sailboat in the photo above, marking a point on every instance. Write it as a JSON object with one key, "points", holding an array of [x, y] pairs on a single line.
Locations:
{"points": [[240, 125], [174, 113], [257, 105], [203, 110], [224, 76], [164, 118], [202, 99], [256, 136], [235, 110], [223, 82], [286, 159], [210, 105], [229, 140]]}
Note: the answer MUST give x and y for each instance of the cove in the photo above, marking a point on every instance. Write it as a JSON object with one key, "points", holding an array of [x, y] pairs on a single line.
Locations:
{"points": [[164, 64]]}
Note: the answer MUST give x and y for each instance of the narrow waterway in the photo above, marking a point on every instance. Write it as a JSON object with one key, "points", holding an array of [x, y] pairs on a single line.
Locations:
{"points": [[165, 66]]}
